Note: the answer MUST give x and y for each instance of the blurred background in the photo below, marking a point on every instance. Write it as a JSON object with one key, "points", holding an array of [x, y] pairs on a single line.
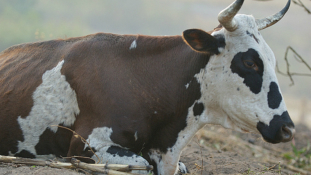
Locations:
{"points": [[37, 20]]}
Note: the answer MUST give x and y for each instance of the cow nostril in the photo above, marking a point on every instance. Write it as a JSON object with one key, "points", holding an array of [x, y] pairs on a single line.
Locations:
{"points": [[287, 133]]}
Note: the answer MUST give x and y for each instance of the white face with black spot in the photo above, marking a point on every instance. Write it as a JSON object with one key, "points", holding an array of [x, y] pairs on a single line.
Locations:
{"points": [[239, 86]]}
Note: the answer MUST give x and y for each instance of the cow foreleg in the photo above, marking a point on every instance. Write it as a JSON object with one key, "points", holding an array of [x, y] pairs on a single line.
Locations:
{"points": [[118, 155]]}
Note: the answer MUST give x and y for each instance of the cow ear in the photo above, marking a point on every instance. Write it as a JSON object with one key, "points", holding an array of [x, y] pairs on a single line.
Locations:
{"points": [[201, 41]]}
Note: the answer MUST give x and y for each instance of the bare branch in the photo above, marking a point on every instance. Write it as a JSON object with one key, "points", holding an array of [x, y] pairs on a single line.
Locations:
{"points": [[299, 3], [288, 72]]}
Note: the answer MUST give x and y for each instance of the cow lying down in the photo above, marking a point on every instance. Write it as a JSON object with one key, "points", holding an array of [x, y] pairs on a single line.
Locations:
{"points": [[140, 99]]}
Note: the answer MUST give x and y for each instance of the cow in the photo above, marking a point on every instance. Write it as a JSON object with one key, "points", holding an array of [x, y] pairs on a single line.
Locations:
{"points": [[140, 99]]}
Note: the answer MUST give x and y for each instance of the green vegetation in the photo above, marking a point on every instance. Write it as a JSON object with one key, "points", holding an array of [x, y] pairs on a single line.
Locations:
{"points": [[300, 158]]}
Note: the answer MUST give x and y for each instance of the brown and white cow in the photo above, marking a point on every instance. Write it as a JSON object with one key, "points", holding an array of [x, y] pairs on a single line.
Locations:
{"points": [[140, 99]]}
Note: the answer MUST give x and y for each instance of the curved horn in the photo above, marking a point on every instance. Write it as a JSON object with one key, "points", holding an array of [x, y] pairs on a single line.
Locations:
{"points": [[270, 20], [226, 16]]}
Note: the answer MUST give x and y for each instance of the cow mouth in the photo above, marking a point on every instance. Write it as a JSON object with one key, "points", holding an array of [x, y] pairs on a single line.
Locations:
{"points": [[285, 134], [280, 129]]}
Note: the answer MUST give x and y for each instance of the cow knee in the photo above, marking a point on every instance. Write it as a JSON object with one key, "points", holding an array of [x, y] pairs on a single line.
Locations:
{"points": [[182, 169], [117, 155]]}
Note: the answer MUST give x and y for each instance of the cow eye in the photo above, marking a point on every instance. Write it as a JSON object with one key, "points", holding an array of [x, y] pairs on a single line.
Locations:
{"points": [[251, 64]]}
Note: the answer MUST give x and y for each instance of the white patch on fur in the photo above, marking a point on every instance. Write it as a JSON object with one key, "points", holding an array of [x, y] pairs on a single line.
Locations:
{"points": [[221, 49], [182, 168], [133, 45], [124, 160], [116, 159], [101, 141], [162, 167], [100, 137], [187, 85], [54, 103]]}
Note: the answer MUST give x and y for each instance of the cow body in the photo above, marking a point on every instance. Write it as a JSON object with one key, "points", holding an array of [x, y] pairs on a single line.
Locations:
{"points": [[88, 84], [138, 99]]}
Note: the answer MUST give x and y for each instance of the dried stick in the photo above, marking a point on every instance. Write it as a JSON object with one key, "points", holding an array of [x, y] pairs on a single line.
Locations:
{"points": [[110, 169], [290, 167], [83, 140], [299, 3], [77, 163], [124, 168], [288, 73], [26, 161]]}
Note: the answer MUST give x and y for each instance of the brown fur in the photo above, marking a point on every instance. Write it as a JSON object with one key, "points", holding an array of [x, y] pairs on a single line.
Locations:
{"points": [[130, 90]]}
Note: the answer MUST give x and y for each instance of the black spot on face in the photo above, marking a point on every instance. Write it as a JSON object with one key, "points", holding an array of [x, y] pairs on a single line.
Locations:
{"points": [[274, 96], [252, 35], [198, 109], [273, 132], [252, 77]]}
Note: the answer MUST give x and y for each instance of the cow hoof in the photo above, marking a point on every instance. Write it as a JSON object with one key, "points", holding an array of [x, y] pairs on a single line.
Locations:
{"points": [[182, 169]]}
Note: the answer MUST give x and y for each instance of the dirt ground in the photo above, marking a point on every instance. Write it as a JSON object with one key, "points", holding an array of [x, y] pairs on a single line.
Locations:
{"points": [[219, 151], [215, 150]]}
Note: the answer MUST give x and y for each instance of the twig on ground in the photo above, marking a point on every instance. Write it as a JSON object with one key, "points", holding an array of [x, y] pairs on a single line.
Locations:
{"points": [[26, 161], [272, 167], [111, 169], [78, 157], [77, 163], [290, 167]]}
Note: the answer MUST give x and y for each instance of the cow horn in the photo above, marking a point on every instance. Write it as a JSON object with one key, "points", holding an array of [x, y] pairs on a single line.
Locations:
{"points": [[270, 20], [226, 16]]}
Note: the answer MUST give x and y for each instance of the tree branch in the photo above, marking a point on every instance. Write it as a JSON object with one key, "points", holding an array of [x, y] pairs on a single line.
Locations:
{"points": [[299, 3], [288, 72]]}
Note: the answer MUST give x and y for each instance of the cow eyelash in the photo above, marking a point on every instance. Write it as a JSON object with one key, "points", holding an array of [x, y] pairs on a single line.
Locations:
{"points": [[250, 64]]}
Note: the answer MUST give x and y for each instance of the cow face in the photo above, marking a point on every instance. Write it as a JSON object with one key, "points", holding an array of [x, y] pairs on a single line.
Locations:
{"points": [[239, 86]]}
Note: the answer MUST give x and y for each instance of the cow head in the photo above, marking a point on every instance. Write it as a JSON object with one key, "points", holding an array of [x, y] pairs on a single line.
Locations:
{"points": [[239, 86]]}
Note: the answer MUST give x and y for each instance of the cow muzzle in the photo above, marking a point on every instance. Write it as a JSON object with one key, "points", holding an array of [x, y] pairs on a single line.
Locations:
{"points": [[287, 133], [280, 129]]}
